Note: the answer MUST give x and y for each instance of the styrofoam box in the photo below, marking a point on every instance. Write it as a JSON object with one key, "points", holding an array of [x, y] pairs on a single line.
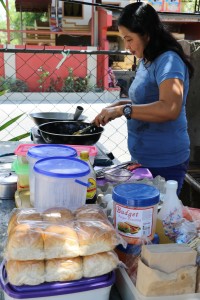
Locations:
{"points": [[128, 290], [97, 288]]}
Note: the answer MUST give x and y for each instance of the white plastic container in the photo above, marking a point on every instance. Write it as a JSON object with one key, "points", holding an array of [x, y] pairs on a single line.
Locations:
{"points": [[61, 182], [97, 288], [38, 152]]}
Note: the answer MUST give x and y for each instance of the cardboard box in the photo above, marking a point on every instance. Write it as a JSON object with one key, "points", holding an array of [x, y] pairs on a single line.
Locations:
{"points": [[128, 291]]}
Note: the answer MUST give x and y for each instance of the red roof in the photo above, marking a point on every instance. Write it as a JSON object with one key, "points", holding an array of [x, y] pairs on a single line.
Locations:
{"points": [[32, 5]]}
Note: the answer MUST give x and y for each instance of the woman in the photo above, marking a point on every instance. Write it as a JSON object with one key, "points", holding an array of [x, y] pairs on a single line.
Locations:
{"points": [[156, 117], [113, 82]]}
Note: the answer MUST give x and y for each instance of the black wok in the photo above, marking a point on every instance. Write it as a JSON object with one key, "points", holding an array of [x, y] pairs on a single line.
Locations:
{"points": [[60, 132], [45, 117]]}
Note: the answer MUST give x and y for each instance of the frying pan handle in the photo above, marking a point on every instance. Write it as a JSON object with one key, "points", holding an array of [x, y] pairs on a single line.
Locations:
{"points": [[78, 112], [82, 183]]}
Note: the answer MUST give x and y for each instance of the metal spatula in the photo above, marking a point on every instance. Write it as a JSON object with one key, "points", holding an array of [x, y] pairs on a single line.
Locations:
{"points": [[81, 131]]}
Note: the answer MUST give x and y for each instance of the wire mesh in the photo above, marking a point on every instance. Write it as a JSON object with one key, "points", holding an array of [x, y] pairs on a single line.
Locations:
{"points": [[49, 80]]}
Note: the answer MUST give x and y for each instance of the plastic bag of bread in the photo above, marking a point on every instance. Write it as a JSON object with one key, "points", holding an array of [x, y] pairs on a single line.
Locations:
{"points": [[90, 212], [24, 216], [57, 215], [61, 241], [64, 269], [25, 272], [95, 236], [100, 263], [25, 243]]}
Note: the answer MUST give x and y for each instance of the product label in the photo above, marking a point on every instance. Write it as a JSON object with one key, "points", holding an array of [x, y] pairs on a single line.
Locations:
{"points": [[134, 222], [92, 189]]}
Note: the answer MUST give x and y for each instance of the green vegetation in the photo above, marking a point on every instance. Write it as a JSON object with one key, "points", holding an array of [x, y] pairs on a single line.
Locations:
{"points": [[19, 137], [18, 21], [73, 83], [12, 85]]}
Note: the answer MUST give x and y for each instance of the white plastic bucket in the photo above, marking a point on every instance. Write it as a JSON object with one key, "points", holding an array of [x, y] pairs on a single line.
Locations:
{"points": [[38, 152], [60, 182]]}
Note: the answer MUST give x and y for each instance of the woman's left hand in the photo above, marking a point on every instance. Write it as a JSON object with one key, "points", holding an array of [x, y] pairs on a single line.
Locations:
{"points": [[107, 114]]}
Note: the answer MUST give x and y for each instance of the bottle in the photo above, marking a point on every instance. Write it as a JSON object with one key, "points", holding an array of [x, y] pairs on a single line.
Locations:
{"points": [[91, 196], [171, 211]]}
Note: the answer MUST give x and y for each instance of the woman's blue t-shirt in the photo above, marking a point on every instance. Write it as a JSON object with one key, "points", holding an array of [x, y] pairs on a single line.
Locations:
{"points": [[158, 144]]}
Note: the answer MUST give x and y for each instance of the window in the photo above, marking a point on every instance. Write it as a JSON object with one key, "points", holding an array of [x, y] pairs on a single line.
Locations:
{"points": [[73, 10]]}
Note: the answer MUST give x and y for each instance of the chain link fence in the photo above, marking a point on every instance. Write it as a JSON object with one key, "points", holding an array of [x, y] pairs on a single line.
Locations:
{"points": [[49, 80]]}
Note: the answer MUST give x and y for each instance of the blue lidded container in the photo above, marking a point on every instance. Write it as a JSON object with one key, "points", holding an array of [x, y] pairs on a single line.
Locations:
{"points": [[38, 152], [61, 182], [135, 211]]}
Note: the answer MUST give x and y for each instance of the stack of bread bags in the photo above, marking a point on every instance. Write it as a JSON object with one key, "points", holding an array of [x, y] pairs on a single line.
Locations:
{"points": [[59, 245]]}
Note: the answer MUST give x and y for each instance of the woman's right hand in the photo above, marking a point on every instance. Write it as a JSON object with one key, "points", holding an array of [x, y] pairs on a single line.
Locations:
{"points": [[110, 113]]}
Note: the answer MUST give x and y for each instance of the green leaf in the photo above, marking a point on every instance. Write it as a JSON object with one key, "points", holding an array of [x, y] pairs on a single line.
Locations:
{"points": [[19, 137], [10, 122], [4, 6], [3, 92]]}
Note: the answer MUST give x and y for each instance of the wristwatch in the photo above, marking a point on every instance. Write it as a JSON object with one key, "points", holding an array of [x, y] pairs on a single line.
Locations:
{"points": [[127, 110]]}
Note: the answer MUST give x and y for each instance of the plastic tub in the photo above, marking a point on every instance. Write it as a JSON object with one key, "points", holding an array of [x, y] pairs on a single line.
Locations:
{"points": [[22, 149], [22, 171], [21, 152], [97, 288], [61, 182], [38, 152], [135, 211]]}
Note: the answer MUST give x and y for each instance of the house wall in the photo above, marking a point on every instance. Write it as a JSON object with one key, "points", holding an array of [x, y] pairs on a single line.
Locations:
{"points": [[13, 65], [104, 21]]}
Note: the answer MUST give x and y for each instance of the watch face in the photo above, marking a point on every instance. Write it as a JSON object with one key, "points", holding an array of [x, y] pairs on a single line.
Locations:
{"points": [[127, 111]]}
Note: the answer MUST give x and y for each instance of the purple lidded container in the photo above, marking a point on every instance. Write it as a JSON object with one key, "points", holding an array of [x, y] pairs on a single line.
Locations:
{"points": [[83, 289]]}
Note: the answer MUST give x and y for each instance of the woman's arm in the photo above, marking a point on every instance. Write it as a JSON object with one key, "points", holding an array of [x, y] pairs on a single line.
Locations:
{"points": [[167, 108]]}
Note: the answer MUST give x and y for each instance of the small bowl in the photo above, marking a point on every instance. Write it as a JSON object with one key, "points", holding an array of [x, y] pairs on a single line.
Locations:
{"points": [[118, 175]]}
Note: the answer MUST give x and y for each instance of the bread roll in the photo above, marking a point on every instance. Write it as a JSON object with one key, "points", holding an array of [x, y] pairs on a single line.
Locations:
{"points": [[95, 236], [64, 269], [24, 216], [25, 242], [25, 272], [99, 264], [57, 215], [90, 212], [61, 241]]}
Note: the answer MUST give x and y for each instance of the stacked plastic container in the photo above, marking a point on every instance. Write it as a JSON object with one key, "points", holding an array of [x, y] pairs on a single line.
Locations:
{"points": [[61, 182], [38, 152]]}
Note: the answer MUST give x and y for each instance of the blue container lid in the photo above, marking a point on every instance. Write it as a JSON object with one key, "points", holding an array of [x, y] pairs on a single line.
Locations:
{"points": [[62, 167], [43, 151], [136, 194]]}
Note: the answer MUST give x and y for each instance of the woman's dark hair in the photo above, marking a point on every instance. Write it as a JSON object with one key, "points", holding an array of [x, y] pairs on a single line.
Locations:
{"points": [[142, 19]]}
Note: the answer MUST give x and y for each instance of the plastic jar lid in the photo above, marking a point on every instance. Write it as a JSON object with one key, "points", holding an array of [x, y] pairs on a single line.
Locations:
{"points": [[62, 167], [136, 194], [43, 151]]}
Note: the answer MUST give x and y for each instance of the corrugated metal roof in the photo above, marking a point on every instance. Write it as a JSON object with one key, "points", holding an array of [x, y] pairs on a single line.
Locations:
{"points": [[32, 5]]}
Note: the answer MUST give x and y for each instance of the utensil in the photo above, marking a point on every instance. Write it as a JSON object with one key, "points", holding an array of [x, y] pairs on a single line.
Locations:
{"points": [[118, 175], [101, 173], [84, 130], [61, 132], [78, 112]]}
